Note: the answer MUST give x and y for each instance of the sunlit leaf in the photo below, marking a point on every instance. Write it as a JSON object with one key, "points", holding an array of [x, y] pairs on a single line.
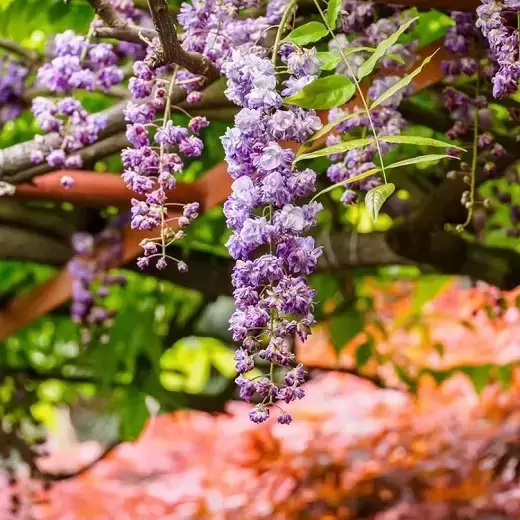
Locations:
{"points": [[336, 148], [376, 197], [134, 415], [308, 33], [333, 9], [402, 83], [329, 59], [345, 326], [364, 353], [324, 93], [367, 67], [426, 289], [419, 141]]}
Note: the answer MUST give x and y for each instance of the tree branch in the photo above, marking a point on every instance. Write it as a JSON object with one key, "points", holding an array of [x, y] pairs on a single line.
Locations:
{"points": [[170, 50], [28, 55]]}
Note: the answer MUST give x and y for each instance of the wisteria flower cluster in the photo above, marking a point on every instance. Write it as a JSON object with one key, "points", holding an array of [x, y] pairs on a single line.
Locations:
{"points": [[78, 64], [273, 299], [498, 22], [213, 28], [149, 169], [12, 84], [76, 127], [210, 29], [95, 256]]}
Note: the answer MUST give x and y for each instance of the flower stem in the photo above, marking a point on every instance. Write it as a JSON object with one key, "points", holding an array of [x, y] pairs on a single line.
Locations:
{"points": [[166, 118], [281, 27], [358, 88]]}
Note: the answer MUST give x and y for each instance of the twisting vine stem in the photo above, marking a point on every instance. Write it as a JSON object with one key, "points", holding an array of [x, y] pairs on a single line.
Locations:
{"points": [[358, 88]]}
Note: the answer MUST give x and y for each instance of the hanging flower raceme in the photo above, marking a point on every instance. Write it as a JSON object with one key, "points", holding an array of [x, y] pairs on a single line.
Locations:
{"points": [[12, 84], [95, 256], [273, 298], [498, 22], [151, 165], [78, 64]]}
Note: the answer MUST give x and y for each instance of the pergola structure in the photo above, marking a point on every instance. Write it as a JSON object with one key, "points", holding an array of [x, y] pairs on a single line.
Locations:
{"points": [[39, 235]]}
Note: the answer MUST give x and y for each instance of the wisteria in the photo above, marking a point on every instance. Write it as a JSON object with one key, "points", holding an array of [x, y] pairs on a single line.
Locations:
{"points": [[498, 22], [95, 256], [13, 76], [150, 168], [273, 298], [78, 64]]}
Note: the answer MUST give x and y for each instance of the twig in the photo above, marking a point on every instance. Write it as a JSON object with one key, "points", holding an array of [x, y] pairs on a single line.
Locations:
{"points": [[28, 55], [56, 477]]}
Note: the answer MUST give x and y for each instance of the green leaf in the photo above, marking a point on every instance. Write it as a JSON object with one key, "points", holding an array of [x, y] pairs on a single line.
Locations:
{"points": [[325, 129], [439, 348], [364, 353], [336, 148], [356, 178], [324, 93], [134, 414], [329, 59], [333, 10], [402, 83], [344, 326], [373, 171], [376, 197], [405, 378], [420, 159], [419, 141], [367, 67], [479, 376], [396, 58], [310, 32], [505, 376], [223, 360], [426, 289]]}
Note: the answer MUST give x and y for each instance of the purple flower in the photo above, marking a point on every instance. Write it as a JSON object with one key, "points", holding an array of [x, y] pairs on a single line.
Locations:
{"points": [[243, 362], [274, 157], [191, 147], [259, 414], [36, 156], [143, 113], [194, 97], [137, 135], [284, 418], [67, 182], [197, 124], [247, 388], [171, 135], [56, 158]]}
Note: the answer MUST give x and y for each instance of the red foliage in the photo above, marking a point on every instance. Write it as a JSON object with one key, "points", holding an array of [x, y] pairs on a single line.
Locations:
{"points": [[353, 451]]}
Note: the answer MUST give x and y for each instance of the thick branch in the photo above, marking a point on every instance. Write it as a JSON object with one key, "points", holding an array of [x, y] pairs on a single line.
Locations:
{"points": [[170, 50], [15, 161]]}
